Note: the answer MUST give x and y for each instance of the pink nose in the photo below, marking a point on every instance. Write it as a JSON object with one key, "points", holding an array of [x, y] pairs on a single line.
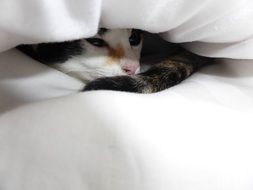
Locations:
{"points": [[130, 69]]}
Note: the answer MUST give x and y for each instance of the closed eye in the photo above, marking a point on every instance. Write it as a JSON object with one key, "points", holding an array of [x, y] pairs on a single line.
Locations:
{"points": [[96, 42], [135, 38]]}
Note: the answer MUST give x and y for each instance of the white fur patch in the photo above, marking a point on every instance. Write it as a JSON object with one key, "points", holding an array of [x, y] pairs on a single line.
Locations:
{"points": [[93, 63]]}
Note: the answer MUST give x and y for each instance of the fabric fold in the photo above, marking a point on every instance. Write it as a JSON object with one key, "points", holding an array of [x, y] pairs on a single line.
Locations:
{"points": [[207, 23]]}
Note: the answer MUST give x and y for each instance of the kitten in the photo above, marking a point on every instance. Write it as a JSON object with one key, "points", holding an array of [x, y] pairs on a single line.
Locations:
{"points": [[109, 53], [111, 61]]}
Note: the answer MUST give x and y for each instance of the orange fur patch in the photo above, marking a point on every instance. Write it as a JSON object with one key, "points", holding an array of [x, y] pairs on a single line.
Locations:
{"points": [[115, 54]]}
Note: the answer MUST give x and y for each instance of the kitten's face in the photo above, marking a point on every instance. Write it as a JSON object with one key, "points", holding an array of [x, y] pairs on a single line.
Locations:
{"points": [[109, 53]]}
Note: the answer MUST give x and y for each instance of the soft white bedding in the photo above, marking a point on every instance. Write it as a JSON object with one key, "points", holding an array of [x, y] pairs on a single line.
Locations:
{"points": [[197, 135], [219, 28]]}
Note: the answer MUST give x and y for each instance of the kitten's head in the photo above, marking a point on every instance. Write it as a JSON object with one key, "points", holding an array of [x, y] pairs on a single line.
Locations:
{"points": [[109, 53]]}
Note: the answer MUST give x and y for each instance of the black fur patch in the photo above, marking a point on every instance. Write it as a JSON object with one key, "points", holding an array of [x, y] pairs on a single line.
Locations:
{"points": [[49, 53], [119, 83], [102, 31]]}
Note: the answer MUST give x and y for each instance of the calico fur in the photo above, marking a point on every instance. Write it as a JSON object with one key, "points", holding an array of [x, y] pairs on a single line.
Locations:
{"points": [[110, 61], [108, 53], [166, 74]]}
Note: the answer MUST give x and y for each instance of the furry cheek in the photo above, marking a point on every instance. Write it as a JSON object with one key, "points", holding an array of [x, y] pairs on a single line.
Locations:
{"points": [[115, 54]]}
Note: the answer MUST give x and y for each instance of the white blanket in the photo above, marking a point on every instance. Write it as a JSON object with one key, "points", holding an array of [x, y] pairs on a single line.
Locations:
{"points": [[219, 28], [197, 135]]}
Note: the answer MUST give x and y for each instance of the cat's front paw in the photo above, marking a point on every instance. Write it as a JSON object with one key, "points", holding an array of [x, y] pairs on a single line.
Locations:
{"points": [[118, 83]]}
